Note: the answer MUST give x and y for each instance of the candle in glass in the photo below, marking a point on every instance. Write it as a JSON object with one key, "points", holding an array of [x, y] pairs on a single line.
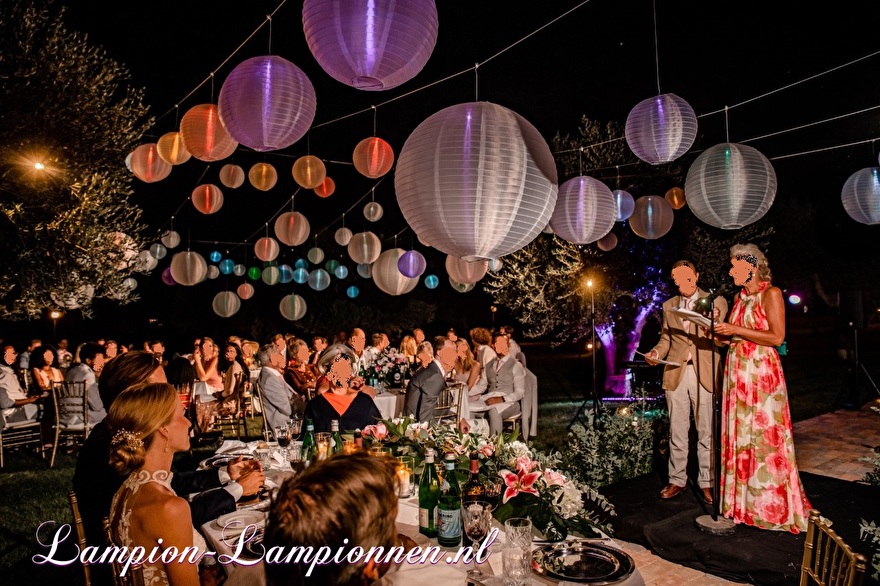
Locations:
{"points": [[403, 481], [323, 443]]}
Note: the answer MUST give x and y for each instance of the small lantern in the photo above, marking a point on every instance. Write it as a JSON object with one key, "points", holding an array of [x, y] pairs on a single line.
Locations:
{"points": [[309, 172], [861, 196], [315, 255], [147, 165], [172, 150], [245, 291], [661, 129], [167, 278], [326, 188], [263, 176], [462, 271], [188, 268], [285, 274], [204, 135], [158, 251], [227, 265], [365, 271], [364, 248], [239, 270], [585, 210], [387, 275], [343, 236], [341, 271], [431, 281], [207, 198], [266, 249], [412, 264], [319, 279], [292, 307], [232, 176], [652, 217], [624, 203], [495, 264], [171, 239], [607, 242], [301, 276], [373, 157], [352, 292], [271, 275], [226, 304], [373, 211], [146, 262], [292, 228], [675, 197], [461, 287], [213, 272]]}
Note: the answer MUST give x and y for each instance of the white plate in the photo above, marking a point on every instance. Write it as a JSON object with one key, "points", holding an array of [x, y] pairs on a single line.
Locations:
{"points": [[232, 524]]}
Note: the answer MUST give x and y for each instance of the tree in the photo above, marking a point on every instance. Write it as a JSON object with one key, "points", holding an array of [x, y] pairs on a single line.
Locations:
{"points": [[67, 122]]}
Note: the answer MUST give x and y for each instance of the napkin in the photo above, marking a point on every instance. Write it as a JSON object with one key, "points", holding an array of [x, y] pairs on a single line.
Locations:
{"points": [[233, 446]]}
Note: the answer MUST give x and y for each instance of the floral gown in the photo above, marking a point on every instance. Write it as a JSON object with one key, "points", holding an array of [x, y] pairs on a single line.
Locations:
{"points": [[760, 485]]}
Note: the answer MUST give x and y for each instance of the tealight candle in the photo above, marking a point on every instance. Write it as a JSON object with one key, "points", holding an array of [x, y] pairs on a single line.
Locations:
{"points": [[403, 480]]}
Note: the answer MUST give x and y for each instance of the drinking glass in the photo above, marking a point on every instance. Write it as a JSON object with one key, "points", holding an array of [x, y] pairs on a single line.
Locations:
{"points": [[475, 517], [282, 434], [494, 486], [518, 532], [322, 439], [264, 456], [517, 566], [295, 426], [294, 456]]}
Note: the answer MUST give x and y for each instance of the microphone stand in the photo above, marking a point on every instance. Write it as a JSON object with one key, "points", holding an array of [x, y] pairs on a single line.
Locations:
{"points": [[714, 523]]}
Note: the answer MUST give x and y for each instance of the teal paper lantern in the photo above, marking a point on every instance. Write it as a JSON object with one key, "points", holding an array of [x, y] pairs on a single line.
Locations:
{"points": [[341, 272], [227, 265], [352, 292], [300, 276], [301, 263], [215, 256], [286, 274], [431, 281]]}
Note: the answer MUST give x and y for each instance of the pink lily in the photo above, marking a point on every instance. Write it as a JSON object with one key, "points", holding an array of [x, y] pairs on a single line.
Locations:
{"points": [[518, 482]]}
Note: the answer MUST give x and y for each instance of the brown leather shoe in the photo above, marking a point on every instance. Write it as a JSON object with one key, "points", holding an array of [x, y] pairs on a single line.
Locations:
{"points": [[671, 490], [707, 495]]}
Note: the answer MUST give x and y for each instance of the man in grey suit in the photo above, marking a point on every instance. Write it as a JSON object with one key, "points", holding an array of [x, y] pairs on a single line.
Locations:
{"points": [[425, 387], [506, 384], [91, 357], [278, 396]]}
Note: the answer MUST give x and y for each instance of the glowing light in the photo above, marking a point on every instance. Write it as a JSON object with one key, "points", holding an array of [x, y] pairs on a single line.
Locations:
{"points": [[794, 299], [39, 166]]}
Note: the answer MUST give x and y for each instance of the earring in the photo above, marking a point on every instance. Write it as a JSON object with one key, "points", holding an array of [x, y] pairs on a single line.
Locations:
{"points": [[166, 444]]}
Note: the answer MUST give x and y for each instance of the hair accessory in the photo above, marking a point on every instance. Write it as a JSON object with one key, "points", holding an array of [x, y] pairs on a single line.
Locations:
{"points": [[749, 258], [129, 439], [341, 356]]}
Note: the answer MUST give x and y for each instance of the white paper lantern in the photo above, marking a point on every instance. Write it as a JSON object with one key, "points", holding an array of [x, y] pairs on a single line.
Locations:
{"points": [[226, 304], [319, 279], [266, 249], [730, 186], [861, 196], [292, 307], [213, 271], [239, 270], [81, 296], [158, 251], [146, 262], [607, 242], [292, 228], [364, 248], [171, 239], [373, 211], [461, 287], [271, 275], [476, 181], [585, 210], [365, 271], [387, 275], [343, 236], [495, 264], [188, 268], [245, 291], [467, 272], [661, 129], [624, 203], [315, 255], [232, 176], [652, 217]]}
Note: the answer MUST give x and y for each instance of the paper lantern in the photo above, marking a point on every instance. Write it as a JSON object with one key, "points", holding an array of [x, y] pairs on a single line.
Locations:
{"points": [[158, 251], [365, 271], [226, 303], [371, 44], [730, 186], [373, 157], [207, 198], [675, 197], [286, 274], [661, 129], [373, 211], [215, 256], [309, 171], [167, 278], [130, 283], [128, 161], [171, 239], [326, 188], [254, 273], [431, 281], [495, 264], [624, 203], [263, 176], [861, 196], [213, 272], [271, 275], [652, 217], [315, 255], [239, 270], [188, 268], [607, 242], [147, 165], [300, 276], [476, 180], [266, 249], [585, 210], [204, 135], [227, 265], [467, 272], [343, 236], [292, 307], [331, 265], [364, 248], [387, 275], [412, 264], [292, 228], [267, 103], [319, 279], [172, 150], [232, 176], [461, 287], [245, 291], [548, 229], [146, 261], [301, 263], [352, 292], [341, 271]]}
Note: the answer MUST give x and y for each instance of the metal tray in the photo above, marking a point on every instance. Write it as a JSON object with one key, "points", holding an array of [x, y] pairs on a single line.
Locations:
{"points": [[586, 562]]}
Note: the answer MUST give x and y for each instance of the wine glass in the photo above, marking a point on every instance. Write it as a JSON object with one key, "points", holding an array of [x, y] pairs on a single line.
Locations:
{"points": [[282, 434], [295, 426], [475, 517]]}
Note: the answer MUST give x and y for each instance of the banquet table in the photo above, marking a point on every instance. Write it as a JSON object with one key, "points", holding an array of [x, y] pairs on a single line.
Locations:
{"points": [[390, 402]]}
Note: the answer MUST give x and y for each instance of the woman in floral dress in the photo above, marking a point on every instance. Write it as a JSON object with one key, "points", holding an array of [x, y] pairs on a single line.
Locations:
{"points": [[760, 485]]}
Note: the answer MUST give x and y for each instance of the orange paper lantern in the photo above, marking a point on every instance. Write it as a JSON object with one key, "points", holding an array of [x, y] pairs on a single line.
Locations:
{"points": [[207, 198], [232, 176], [309, 171], [373, 157], [675, 197], [263, 176], [147, 165], [172, 149], [245, 291], [327, 187], [204, 135], [292, 228], [266, 249]]}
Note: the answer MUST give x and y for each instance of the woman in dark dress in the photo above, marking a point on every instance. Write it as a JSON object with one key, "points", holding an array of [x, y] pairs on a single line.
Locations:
{"points": [[353, 409], [299, 373]]}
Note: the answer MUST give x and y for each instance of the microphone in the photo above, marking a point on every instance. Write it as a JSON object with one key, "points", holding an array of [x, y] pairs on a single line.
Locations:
{"points": [[704, 305]]}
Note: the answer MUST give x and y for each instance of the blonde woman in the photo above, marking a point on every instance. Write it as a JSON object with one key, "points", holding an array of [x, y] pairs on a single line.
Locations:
{"points": [[467, 369], [409, 349], [148, 426]]}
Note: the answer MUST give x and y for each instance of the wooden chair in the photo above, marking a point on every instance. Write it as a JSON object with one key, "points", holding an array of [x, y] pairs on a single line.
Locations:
{"points": [[448, 407], [80, 535], [71, 400], [257, 392], [135, 574], [235, 422], [828, 560], [21, 433]]}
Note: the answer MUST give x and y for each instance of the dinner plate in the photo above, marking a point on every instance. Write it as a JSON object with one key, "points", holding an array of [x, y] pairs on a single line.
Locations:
{"points": [[223, 460], [254, 549], [583, 561], [232, 524]]}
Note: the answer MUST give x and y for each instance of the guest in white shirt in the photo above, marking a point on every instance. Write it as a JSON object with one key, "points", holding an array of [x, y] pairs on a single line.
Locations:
{"points": [[14, 401], [506, 378], [483, 352], [91, 357]]}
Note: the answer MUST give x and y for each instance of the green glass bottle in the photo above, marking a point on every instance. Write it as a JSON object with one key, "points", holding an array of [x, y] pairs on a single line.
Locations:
{"points": [[335, 437], [449, 507], [429, 495], [310, 445]]}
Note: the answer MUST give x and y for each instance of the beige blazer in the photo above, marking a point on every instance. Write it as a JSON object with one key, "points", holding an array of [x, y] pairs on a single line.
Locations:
{"points": [[675, 344]]}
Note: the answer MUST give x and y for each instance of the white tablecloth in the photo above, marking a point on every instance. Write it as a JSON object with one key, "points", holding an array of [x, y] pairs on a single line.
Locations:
{"points": [[389, 404]]}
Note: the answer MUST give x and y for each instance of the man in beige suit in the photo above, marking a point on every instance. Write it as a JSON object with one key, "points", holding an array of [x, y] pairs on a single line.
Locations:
{"points": [[688, 384]]}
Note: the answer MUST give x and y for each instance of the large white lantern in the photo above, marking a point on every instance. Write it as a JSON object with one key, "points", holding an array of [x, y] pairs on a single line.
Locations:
{"points": [[226, 303], [188, 268], [292, 228], [387, 275], [585, 210], [476, 181], [861, 196], [293, 307], [661, 129], [467, 272], [652, 218], [730, 186], [364, 248]]}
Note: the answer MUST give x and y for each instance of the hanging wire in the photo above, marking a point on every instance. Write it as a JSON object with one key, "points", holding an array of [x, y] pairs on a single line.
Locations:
{"points": [[656, 49], [476, 82], [375, 116], [269, 18], [726, 126]]}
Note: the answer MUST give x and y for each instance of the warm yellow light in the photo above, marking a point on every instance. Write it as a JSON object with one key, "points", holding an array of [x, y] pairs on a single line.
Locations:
{"points": [[55, 314], [39, 166], [589, 282]]}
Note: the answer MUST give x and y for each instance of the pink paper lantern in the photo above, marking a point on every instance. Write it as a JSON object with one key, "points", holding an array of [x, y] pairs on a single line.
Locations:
{"points": [[371, 44], [166, 276], [203, 134], [147, 165], [387, 275], [364, 248], [188, 268], [585, 210], [373, 157], [292, 228], [343, 236], [232, 176], [245, 291], [661, 129], [267, 103], [652, 218], [207, 198], [412, 264], [266, 249], [466, 272]]}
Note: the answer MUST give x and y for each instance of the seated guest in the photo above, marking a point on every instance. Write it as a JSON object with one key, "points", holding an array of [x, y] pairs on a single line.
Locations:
{"points": [[147, 427], [95, 482], [91, 357], [425, 387], [424, 355], [234, 371], [353, 409], [376, 348], [408, 348], [515, 349], [506, 385], [419, 335], [319, 344], [278, 396], [16, 404], [111, 349], [482, 340], [357, 342], [299, 373], [467, 369], [157, 349], [45, 374]]}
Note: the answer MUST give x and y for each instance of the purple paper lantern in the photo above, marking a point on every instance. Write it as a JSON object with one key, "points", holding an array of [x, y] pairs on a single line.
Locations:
{"points": [[387, 274], [267, 103], [166, 276], [371, 44], [661, 129], [412, 264], [585, 210]]}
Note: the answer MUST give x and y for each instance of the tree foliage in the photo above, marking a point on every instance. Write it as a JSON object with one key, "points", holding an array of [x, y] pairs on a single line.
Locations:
{"points": [[70, 233]]}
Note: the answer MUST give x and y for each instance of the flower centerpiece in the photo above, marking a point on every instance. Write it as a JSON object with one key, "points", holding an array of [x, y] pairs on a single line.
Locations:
{"points": [[388, 367]]}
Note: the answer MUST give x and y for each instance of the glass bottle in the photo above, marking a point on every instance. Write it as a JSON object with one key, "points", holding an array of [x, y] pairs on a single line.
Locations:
{"points": [[474, 489], [449, 507], [429, 495], [335, 437], [358, 439], [310, 445]]}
